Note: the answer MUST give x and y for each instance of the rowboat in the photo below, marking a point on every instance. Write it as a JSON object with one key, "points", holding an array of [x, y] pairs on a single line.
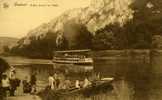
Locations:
{"points": [[97, 86]]}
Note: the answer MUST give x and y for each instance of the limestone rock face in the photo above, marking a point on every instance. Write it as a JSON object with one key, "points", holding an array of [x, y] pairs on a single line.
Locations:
{"points": [[95, 16]]}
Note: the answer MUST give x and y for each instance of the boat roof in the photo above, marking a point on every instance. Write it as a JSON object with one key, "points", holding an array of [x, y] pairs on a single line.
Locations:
{"points": [[68, 51]]}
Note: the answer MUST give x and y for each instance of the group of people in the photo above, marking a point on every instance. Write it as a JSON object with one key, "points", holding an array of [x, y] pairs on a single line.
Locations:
{"points": [[58, 81], [29, 86], [82, 84], [9, 83]]}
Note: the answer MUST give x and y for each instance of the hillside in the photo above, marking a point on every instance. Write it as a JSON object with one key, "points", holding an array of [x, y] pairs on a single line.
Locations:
{"points": [[96, 16], [7, 41], [104, 24]]}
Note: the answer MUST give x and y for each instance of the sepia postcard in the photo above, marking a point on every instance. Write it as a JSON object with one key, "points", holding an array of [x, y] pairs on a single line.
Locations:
{"points": [[80, 49]]}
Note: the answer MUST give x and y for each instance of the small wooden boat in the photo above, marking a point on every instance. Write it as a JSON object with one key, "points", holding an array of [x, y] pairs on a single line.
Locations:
{"points": [[97, 87]]}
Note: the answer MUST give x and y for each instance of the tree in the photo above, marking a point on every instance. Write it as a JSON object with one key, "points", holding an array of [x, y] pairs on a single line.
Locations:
{"points": [[3, 66], [77, 35], [104, 40], [6, 48], [39, 47]]}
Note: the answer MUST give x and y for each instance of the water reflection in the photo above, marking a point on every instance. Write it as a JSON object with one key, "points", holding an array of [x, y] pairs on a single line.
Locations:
{"points": [[138, 75], [133, 72]]}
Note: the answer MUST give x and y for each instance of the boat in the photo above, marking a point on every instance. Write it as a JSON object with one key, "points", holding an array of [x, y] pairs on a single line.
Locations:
{"points": [[80, 57], [73, 60], [97, 87]]}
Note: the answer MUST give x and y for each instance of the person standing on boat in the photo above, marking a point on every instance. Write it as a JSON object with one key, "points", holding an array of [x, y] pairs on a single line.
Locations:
{"points": [[67, 84], [77, 84], [51, 81], [56, 80], [86, 82]]}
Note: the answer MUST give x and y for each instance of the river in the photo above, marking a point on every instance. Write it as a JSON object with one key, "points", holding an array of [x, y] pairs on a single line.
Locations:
{"points": [[138, 74]]}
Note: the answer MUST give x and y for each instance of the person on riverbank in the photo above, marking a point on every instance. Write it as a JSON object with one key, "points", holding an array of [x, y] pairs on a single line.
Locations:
{"points": [[26, 85], [14, 83], [33, 81], [12, 71], [5, 84]]}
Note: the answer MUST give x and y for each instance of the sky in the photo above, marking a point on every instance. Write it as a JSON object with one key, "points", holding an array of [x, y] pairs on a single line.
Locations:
{"points": [[18, 17]]}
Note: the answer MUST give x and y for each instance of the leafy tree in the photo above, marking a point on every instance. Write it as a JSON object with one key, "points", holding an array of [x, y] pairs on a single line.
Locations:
{"points": [[103, 40], [3, 66], [77, 35], [39, 47], [6, 48]]}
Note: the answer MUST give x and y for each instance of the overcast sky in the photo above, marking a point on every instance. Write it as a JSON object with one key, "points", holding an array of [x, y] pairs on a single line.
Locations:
{"points": [[16, 20]]}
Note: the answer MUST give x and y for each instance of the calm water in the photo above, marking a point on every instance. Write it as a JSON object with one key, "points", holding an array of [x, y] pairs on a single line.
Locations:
{"points": [[138, 75], [141, 72]]}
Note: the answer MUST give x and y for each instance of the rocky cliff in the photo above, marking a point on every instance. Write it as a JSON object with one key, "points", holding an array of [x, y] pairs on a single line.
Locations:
{"points": [[96, 16], [104, 24]]}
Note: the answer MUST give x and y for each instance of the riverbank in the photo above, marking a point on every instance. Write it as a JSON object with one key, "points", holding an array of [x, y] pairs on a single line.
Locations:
{"points": [[25, 97]]}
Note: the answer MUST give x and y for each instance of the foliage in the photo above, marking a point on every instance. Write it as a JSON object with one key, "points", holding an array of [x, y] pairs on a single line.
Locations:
{"points": [[104, 40], [77, 35], [3, 66], [135, 34], [38, 47], [6, 49], [138, 32], [44, 47]]}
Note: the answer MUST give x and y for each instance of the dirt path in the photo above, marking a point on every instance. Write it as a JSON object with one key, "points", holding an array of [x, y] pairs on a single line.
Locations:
{"points": [[25, 97]]}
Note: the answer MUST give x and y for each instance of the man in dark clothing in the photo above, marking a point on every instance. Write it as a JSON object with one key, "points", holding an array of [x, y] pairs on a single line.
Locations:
{"points": [[33, 80], [14, 83], [13, 87]]}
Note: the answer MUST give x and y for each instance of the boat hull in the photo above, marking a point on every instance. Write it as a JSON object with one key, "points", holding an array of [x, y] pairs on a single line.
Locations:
{"points": [[73, 61]]}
